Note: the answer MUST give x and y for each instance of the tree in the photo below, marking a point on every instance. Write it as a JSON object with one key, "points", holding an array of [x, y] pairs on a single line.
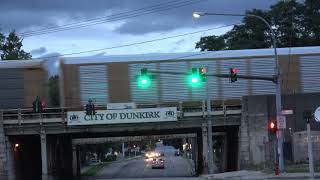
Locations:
{"points": [[311, 21], [211, 43], [294, 23], [54, 93], [11, 47]]}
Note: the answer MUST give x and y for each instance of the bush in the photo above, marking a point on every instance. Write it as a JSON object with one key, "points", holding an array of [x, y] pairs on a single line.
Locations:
{"points": [[110, 158]]}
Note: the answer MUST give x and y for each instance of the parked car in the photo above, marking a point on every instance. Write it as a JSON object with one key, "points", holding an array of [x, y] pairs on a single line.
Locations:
{"points": [[157, 163]]}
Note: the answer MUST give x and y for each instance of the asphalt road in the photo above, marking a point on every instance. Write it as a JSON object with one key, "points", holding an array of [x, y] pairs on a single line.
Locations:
{"points": [[140, 168]]}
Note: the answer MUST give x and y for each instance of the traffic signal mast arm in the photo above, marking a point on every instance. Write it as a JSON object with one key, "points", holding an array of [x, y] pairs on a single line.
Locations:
{"points": [[273, 79]]}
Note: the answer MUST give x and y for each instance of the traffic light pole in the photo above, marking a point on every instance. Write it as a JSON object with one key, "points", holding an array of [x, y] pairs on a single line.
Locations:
{"points": [[277, 79], [280, 136], [265, 78], [209, 124]]}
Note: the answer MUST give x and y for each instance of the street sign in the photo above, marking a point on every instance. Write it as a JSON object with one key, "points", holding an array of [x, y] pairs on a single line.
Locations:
{"points": [[287, 112], [317, 114], [123, 116], [281, 122]]}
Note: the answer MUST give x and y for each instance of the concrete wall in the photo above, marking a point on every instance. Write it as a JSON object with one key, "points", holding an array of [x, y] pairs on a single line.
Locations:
{"points": [[253, 130], [3, 151], [300, 146], [256, 145]]}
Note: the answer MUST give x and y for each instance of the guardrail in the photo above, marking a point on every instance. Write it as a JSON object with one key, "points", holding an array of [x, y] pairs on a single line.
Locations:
{"points": [[22, 116]]}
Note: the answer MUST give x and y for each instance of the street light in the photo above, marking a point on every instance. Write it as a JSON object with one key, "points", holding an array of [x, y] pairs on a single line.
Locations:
{"points": [[197, 14], [277, 74]]}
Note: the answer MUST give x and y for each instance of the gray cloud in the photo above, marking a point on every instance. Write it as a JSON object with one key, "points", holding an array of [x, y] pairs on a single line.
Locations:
{"points": [[182, 17], [39, 51], [20, 15]]}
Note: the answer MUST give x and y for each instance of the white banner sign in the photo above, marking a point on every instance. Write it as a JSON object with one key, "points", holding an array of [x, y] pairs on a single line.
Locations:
{"points": [[123, 116]]}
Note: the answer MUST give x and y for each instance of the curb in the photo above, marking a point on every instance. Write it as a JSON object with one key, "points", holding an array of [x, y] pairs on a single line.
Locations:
{"points": [[297, 177], [256, 178]]}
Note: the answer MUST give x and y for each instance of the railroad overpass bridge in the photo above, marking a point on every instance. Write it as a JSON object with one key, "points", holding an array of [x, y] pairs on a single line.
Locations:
{"points": [[52, 143]]}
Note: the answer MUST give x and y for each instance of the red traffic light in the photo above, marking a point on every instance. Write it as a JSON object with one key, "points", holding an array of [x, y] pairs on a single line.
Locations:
{"points": [[272, 125], [203, 70], [234, 70]]}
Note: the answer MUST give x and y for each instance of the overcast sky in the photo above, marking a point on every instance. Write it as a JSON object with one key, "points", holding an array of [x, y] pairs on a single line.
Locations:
{"points": [[161, 19]]}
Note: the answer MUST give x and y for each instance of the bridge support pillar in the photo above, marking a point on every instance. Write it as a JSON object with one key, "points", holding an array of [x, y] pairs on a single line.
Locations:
{"points": [[44, 158], [123, 153], [10, 160], [75, 161], [205, 148]]}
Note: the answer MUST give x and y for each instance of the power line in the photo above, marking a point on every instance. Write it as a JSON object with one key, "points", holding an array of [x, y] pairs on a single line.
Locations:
{"points": [[117, 17], [128, 16], [138, 43], [92, 19]]}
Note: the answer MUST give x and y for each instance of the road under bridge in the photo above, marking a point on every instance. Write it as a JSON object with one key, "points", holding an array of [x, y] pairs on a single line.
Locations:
{"points": [[52, 145]]}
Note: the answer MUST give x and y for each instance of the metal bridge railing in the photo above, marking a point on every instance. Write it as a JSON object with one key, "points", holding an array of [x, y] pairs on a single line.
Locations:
{"points": [[59, 114]]}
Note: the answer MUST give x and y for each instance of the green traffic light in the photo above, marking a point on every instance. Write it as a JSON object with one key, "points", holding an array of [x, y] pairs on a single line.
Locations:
{"points": [[144, 81], [194, 80]]}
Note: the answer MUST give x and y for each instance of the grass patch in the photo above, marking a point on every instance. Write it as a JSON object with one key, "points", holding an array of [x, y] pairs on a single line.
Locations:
{"points": [[93, 170], [301, 169], [258, 167]]}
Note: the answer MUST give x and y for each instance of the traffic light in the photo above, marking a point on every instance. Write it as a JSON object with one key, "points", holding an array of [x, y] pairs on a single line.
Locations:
{"points": [[272, 127], [90, 109], [203, 73], [197, 76], [144, 80], [233, 74]]}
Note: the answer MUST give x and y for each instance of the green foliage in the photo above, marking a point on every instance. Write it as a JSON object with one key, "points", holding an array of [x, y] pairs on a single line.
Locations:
{"points": [[11, 47], [301, 168], [54, 93], [211, 43], [294, 24], [110, 158], [93, 170]]}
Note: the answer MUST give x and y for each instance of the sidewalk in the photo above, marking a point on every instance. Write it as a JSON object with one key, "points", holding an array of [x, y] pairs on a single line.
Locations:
{"points": [[256, 175]]}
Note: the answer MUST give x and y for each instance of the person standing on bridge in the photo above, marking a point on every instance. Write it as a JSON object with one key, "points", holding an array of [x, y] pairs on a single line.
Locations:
{"points": [[37, 105]]}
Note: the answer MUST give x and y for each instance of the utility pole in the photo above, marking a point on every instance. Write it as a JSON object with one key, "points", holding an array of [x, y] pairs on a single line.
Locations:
{"points": [[310, 152], [308, 116], [209, 124], [277, 75]]}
